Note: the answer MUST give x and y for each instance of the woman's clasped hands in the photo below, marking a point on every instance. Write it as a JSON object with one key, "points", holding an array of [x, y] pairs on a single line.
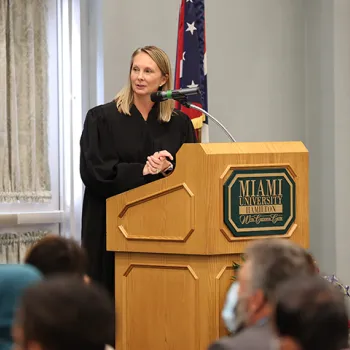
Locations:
{"points": [[157, 163]]}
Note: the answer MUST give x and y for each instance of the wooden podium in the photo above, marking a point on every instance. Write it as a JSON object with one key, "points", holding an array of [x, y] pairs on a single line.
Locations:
{"points": [[175, 240]]}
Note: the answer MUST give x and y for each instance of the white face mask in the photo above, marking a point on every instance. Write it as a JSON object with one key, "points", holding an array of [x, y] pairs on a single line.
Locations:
{"points": [[228, 312]]}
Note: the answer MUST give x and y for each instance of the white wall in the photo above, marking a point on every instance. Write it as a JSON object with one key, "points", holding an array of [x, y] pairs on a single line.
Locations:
{"points": [[327, 120], [255, 68], [277, 70], [319, 121], [342, 136]]}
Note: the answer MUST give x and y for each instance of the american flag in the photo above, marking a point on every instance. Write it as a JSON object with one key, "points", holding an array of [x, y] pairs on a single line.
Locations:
{"points": [[191, 60]]}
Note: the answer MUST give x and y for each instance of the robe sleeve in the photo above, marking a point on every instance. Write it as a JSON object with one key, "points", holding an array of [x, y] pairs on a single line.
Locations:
{"points": [[101, 170]]}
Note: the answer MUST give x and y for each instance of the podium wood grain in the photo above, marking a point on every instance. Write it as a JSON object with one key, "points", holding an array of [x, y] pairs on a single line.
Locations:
{"points": [[173, 252]]}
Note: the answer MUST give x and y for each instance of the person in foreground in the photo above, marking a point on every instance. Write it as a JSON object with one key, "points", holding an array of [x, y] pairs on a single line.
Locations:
{"points": [[14, 279], [64, 313], [268, 263], [310, 314], [127, 143]]}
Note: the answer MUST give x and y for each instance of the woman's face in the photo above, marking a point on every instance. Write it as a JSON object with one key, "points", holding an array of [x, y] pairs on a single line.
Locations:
{"points": [[145, 75]]}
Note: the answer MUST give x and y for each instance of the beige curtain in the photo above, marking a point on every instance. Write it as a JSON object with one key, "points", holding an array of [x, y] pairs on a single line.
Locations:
{"points": [[24, 170], [14, 246]]}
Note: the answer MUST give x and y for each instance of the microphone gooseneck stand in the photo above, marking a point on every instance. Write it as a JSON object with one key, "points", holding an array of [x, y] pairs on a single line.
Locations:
{"points": [[183, 100]]}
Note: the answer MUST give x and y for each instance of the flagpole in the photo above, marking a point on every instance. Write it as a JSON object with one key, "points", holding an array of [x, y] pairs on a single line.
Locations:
{"points": [[183, 100]]}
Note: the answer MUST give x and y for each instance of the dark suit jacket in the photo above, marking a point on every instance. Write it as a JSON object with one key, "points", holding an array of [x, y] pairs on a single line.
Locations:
{"points": [[258, 337]]}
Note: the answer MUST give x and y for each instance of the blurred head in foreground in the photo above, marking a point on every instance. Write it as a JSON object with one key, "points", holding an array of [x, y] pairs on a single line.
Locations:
{"points": [[310, 314], [62, 313]]}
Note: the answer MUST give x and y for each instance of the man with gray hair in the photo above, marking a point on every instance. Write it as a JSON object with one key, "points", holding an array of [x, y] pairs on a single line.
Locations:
{"points": [[268, 263]]}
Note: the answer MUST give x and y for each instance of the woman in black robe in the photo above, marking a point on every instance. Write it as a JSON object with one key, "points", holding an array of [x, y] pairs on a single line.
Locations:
{"points": [[127, 143]]}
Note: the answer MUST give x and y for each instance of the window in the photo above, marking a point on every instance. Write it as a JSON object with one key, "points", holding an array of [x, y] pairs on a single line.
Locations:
{"points": [[62, 213]]}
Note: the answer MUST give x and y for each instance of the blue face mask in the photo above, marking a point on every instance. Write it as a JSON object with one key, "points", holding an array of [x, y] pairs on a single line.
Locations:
{"points": [[228, 312]]}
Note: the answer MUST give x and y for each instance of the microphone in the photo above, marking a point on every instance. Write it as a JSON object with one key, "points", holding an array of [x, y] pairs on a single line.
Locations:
{"points": [[180, 94], [182, 98]]}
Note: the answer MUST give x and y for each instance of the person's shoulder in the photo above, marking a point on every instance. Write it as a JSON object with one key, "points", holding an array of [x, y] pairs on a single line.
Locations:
{"points": [[180, 116], [180, 119], [224, 343], [249, 338], [103, 110]]}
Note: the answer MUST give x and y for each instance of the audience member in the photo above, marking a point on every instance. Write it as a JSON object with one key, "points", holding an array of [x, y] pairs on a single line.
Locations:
{"points": [[14, 279], [64, 313], [310, 314], [267, 263], [55, 255]]}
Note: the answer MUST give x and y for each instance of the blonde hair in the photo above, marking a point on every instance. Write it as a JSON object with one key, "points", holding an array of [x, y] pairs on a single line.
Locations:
{"points": [[125, 97]]}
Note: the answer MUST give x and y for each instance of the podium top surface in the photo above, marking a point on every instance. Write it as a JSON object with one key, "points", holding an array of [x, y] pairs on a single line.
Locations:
{"points": [[254, 147]]}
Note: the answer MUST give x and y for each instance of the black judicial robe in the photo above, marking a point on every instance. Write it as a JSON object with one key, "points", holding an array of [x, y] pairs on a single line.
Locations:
{"points": [[114, 149]]}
